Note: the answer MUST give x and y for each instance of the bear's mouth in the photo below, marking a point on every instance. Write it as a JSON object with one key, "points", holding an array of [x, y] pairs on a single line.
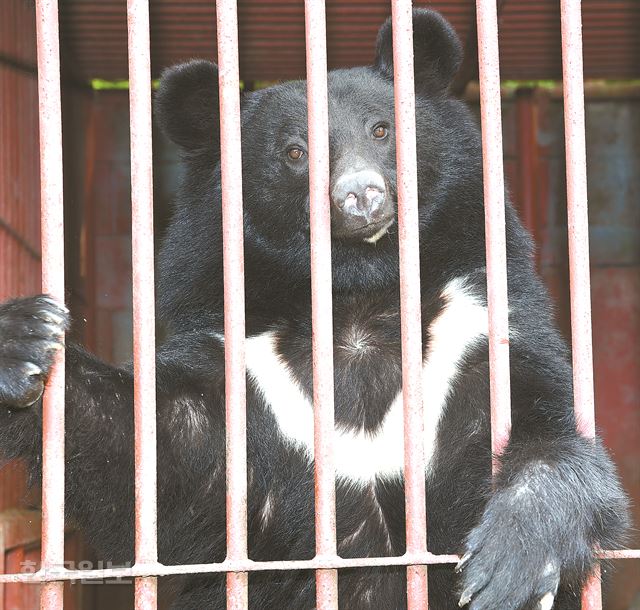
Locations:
{"points": [[382, 230], [369, 233]]}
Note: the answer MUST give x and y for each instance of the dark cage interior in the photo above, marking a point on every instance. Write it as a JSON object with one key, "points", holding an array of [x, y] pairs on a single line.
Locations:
{"points": [[271, 34]]}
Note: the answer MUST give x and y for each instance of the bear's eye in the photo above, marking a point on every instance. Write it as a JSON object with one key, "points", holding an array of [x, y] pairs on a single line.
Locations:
{"points": [[295, 154], [380, 132]]}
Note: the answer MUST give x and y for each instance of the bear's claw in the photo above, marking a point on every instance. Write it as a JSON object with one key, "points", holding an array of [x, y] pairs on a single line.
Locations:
{"points": [[463, 561], [546, 603], [507, 563]]}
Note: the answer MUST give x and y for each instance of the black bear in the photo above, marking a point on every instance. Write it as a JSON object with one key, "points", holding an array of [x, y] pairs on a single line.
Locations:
{"points": [[527, 538]]}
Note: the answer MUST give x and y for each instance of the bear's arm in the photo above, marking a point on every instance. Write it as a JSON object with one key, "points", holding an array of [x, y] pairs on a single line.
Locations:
{"points": [[556, 497], [99, 446]]}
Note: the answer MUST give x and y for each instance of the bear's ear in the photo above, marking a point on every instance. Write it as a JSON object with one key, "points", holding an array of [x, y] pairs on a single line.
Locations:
{"points": [[436, 46], [186, 105]]}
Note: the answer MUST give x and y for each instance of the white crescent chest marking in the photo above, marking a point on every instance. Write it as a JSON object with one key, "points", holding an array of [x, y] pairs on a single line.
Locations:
{"points": [[361, 456]]}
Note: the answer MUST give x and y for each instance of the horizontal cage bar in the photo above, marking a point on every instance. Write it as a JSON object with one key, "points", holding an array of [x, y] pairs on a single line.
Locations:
{"points": [[260, 566]]}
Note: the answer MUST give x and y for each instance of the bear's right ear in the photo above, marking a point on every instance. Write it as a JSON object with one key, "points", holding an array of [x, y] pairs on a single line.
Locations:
{"points": [[186, 105], [437, 51]]}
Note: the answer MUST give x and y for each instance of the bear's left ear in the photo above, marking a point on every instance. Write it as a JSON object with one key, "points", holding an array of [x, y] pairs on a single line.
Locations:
{"points": [[186, 105], [436, 46]]}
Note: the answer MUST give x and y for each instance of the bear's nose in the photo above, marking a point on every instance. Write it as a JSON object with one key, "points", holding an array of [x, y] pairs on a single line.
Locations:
{"points": [[360, 194]]}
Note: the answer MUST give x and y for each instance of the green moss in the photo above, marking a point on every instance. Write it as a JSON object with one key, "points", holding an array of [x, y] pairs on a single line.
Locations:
{"points": [[513, 85], [99, 84]]}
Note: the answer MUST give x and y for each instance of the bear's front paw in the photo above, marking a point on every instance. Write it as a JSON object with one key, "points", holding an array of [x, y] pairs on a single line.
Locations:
{"points": [[506, 566], [31, 332]]}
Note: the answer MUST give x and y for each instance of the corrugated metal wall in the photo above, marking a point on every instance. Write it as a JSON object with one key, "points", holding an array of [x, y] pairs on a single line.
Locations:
{"points": [[272, 35]]}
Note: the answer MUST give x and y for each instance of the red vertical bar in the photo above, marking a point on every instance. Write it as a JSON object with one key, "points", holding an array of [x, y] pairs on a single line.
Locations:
{"points": [[410, 311], [316, 40], [578, 224], [234, 323], [143, 299], [52, 283], [577, 212], [493, 176]]}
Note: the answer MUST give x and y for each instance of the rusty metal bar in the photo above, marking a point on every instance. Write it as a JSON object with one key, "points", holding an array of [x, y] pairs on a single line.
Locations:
{"points": [[146, 520], [410, 308], [234, 322], [52, 228], [577, 213], [493, 174], [321, 299], [578, 226], [257, 566]]}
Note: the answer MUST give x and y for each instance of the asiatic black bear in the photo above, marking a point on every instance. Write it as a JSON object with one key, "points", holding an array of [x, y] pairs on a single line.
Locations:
{"points": [[528, 540]]}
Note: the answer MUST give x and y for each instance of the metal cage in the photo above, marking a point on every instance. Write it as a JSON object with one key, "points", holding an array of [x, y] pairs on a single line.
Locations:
{"points": [[326, 562]]}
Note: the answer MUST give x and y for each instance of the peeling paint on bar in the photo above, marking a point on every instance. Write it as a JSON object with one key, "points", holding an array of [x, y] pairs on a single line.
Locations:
{"points": [[410, 308], [578, 227], [321, 300], [234, 317], [493, 175], [143, 299], [146, 593], [52, 228]]}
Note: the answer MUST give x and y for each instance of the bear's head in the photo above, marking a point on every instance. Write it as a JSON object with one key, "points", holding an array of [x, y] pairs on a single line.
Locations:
{"points": [[363, 183]]}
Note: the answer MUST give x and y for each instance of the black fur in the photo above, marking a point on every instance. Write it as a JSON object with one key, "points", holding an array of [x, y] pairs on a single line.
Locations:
{"points": [[557, 495], [191, 121]]}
